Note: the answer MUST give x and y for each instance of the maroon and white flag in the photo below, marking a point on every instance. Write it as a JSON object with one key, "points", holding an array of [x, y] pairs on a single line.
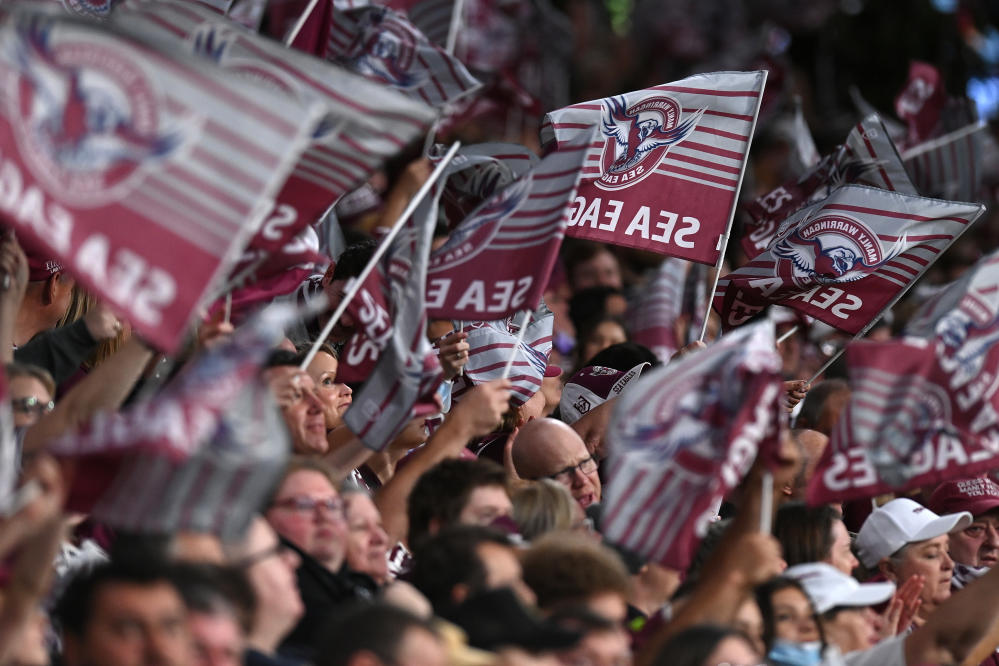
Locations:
{"points": [[390, 350], [676, 292], [382, 45], [497, 261], [845, 259], [920, 412], [143, 172], [684, 436], [432, 17], [664, 171], [921, 102], [364, 123], [477, 172], [868, 157], [949, 166]]}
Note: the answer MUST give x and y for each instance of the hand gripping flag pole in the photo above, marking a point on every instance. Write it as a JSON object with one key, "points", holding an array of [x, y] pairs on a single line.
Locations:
{"points": [[723, 239], [524, 319], [355, 286]]}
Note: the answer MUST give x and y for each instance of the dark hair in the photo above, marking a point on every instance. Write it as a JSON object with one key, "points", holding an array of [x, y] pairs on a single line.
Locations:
{"points": [[354, 259], [378, 628], [576, 252], [451, 558], [74, 609], [815, 401], [590, 304], [624, 356], [565, 569], [282, 357], [216, 589], [693, 646], [442, 491], [764, 599], [586, 330], [805, 532]]}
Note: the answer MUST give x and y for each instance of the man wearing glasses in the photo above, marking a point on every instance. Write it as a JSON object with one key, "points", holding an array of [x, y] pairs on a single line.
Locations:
{"points": [[546, 448], [31, 392]]}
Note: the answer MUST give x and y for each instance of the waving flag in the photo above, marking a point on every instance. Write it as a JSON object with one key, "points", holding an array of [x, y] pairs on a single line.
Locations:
{"points": [[491, 343], [677, 289], [949, 167], [432, 17], [921, 411], [382, 45], [683, 437], [174, 424], [665, 170], [143, 172], [921, 102], [868, 157], [391, 341], [478, 172], [364, 123], [497, 261], [845, 259]]}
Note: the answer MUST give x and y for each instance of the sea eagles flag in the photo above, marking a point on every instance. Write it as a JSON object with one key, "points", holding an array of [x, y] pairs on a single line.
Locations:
{"points": [[950, 166], [363, 123], [390, 349], [432, 17], [664, 172], [655, 317], [845, 259], [174, 424], [868, 157], [683, 437], [382, 45], [143, 172], [497, 261], [477, 172]]}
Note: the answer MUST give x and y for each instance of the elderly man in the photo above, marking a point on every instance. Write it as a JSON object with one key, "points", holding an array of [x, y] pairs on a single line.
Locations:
{"points": [[546, 448]]}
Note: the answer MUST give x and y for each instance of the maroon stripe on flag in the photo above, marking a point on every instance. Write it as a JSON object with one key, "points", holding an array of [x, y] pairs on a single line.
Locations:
{"points": [[494, 345], [703, 176], [166, 25], [236, 142], [224, 168], [521, 214], [330, 183], [916, 239], [902, 267], [722, 133], [721, 152], [873, 154], [197, 183], [572, 125], [345, 156], [699, 162], [585, 105], [634, 481], [224, 225], [557, 174], [891, 213], [548, 195], [433, 79], [722, 114], [715, 93]]}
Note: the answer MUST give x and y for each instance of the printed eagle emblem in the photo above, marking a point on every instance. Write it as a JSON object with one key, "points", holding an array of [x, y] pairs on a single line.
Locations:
{"points": [[834, 264], [635, 137]]}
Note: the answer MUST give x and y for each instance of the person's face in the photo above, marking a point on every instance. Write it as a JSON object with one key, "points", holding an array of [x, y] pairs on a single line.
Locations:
{"points": [[931, 560], [852, 629], [734, 651], [599, 648], [794, 620], [29, 400], [218, 640], [133, 625], [308, 511], [485, 504], [840, 555], [503, 570], [295, 392], [367, 541], [576, 469], [271, 573], [600, 271], [749, 621], [606, 333], [419, 647], [335, 291], [336, 398], [978, 544]]}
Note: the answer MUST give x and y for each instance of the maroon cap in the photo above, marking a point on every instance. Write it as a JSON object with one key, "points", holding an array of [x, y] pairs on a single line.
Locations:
{"points": [[40, 268], [976, 496]]}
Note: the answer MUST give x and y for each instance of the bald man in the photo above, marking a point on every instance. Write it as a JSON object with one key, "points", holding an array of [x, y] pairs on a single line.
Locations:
{"points": [[546, 448]]}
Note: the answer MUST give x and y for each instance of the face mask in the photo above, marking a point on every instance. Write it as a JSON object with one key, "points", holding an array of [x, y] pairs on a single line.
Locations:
{"points": [[786, 653]]}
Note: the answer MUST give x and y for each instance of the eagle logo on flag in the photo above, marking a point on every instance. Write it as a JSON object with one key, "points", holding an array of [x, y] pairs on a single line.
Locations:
{"points": [[639, 136], [832, 249], [89, 117]]}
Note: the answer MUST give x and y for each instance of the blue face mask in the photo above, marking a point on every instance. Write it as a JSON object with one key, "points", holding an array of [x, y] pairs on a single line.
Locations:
{"points": [[786, 653]]}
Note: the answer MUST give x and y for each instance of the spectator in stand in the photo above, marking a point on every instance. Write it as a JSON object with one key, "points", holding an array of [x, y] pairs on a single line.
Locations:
{"points": [[823, 405], [335, 397], [591, 265], [975, 549], [596, 335], [708, 645], [32, 393], [814, 534], [544, 506], [367, 542], [303, 411], [380, 635], [220, 608], [550, 448]]}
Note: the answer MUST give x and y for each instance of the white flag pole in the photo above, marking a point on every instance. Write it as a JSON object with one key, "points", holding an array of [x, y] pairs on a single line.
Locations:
{"points": [[723, 239], [355, 284], [457, 14], [915, 151], [300, 23], [791, 331], [516, 345], [767, 503]]}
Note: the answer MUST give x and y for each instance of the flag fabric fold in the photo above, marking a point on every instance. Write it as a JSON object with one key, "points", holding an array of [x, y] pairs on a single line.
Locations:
{"points": [[664, 170], [684, 437]]}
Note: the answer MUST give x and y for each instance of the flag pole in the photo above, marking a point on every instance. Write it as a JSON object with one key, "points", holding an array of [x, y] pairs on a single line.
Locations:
{"points": [[355, 285], [723, 239], [300, 23], [787, 334], [516, 345], [927, 146], [457, 13], [767, 503]]}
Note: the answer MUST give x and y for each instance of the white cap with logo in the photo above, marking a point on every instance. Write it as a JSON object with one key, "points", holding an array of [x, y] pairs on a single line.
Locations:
{"points": [[899, 522], [829, 588]]}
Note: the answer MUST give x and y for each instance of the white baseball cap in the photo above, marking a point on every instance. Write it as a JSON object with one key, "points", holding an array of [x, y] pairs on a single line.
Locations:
{"points": [[899, 522], [829, 588]]}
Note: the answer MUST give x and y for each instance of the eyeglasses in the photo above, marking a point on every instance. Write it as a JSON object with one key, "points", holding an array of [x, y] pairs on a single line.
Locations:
{"points": [[586, 466], [32, 405], [304, 504], [277, 549]]}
